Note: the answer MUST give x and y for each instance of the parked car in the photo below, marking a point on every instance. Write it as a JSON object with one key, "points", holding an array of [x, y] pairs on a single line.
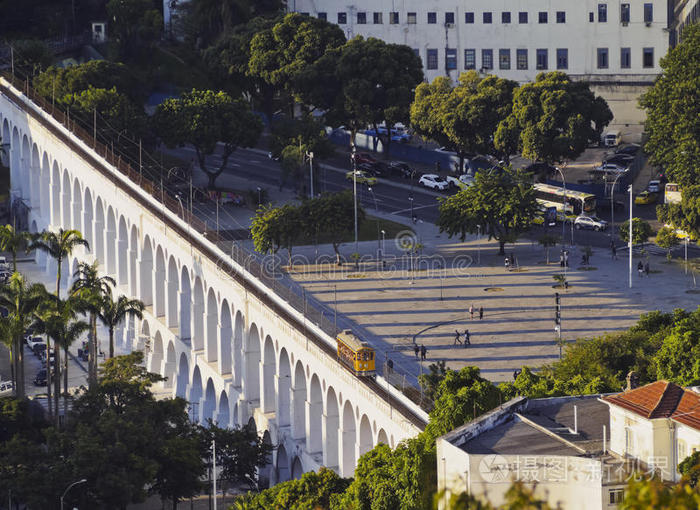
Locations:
{"points": [[624, 160], [630, 149], [368, 169], [610, 167], [590, 222], [40, 378], [433, 181], [654, 186], [38, 349], [400, 169], [462, 182], [34, 340], [362, 177], [645, 198], [364, 157], [6, 388], [445, 150]]}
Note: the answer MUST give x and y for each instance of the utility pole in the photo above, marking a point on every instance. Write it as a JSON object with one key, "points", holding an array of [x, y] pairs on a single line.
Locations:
{"points": [[629, 243], [354, 193], [557, 320], [213, 456], [311, 168]]}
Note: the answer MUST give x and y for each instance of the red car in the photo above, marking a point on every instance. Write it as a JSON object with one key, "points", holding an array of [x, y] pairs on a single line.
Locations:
{"points": [[364, 157]]}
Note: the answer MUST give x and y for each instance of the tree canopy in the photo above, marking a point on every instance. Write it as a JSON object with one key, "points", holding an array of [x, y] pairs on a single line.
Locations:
{"points": [[673, 111], [641, 231], [684, 215], [501, 203]]}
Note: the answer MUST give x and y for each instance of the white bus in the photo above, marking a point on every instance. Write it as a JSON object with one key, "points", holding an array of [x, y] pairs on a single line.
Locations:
{"points": [[567, 201], [672, 193]]}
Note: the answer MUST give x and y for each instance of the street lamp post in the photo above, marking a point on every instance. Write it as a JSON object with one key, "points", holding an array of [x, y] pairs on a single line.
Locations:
{"points": [[563, 223], [612, 206], [69, 488], [686, 254], [310, 155], [354, 194], [383, 237], [410, 196], [259, 196], [478, 246], [376, 212], [629, 241]]}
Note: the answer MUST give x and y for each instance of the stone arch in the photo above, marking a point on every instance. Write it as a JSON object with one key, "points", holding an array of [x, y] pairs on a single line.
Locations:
{"points": [[251, 381], [264, 471], [45, 187], [156, 360], [172, 294], [87, 220], [196, 392], [238, 349], [297, 469], [77, 207], [299, 403], [55, 195], [4, 157], [25, 168], [15, 156], [366, 440], [284, 383], [183, 371], [314, 428], [111, 242], [198, 315], [349, 440], [35, 179], [382, 437], [268, 396], [146, 273], [144, 338], [212, 330], [169, 368], [186, 306], [209, 402], [226, 339], [133, 256], [283, 471], [99, 244], [222, 415], [159, 280], [123, 253], [332, 424], [66, 222]]}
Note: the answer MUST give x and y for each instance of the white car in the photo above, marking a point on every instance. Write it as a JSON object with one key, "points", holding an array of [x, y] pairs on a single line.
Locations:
{"points": [[654, 186], [433, 181], [591, 222], [462, 182], [445, 150], [610, 167], [6, 388]]}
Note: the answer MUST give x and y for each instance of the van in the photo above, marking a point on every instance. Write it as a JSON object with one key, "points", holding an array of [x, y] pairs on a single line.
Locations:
{"points": [[611, 138]]}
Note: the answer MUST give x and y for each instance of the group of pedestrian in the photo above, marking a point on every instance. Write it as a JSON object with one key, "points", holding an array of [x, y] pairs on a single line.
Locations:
{"points": [[642, 269], [472, 310], [510, 261], [420, 350], [467, 338], [564, 258]]}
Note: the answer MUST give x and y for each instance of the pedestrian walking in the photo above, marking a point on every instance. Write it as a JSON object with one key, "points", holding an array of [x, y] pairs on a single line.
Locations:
{"points": [[467, 338], [561, 259], [481, 312], [471, 311], [646, 269], [423, 352], [613, 249], [512, 260], [416, 350], [457, 340], [390, 366], [640, 269]]}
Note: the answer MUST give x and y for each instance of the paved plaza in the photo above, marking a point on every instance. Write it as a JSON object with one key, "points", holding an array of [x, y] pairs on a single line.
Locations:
{"points": [[392, 306]]}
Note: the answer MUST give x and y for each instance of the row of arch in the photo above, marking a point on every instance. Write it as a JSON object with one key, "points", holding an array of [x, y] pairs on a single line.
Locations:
{"points": [[192, 327]]}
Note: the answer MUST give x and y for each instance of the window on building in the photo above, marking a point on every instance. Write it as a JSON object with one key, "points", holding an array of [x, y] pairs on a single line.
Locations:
{"points": [[323, 16], [432, 59], [432, 18], [562, 58], [504, 59], [542, 17], [393, 18], [488, 17], [521, 59], [411, 18], [469, 17], [602, 13], [561, 16], [616, 496], [522, 17], [602, 58], [450, 58], [648, 13], [625, 58], [378, 18], [648, 57], [470, 59], [449, 18], [591, 17], [625, 13], [542, 59], [487, 59], [505, 17], [342, 18], [629, 441], [361, 18]]}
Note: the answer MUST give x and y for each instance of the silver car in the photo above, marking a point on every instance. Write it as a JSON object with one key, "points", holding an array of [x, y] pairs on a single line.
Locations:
{"points": [[590, 222]]}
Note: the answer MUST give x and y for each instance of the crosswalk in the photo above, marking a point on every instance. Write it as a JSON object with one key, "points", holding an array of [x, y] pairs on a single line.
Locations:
{"points": [[649, 249]]}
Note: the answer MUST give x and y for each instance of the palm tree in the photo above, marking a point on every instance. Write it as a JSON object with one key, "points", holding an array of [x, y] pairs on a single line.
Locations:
{"points": [[20, 299], [60, 323], [58, 245], [90, 290], [12, 241], [112, 313]]}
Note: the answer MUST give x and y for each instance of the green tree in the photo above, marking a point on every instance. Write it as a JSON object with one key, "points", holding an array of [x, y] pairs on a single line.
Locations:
{"points": [[684, 215], [690, 468], [654, 493], [678, 358], [430, 381], [20, 299], [672, 120], [32, 56], [641, 231], [666, 238], [333, 215], [203, 119], [135, 24], [548, 241], [276, 227], [553, 119], [464, 117], [501, 203], [112, 313], [12, 241], [90, 290]]}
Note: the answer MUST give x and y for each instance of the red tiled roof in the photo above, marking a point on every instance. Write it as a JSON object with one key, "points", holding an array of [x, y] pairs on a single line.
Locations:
{"points": [[661, 399]]}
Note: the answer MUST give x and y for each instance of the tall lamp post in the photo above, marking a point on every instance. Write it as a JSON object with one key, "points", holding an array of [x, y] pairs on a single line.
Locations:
{"points": [[310, 155], [410, 196], [612, 206], [563, 223], [383, 237], [69, 488], [354, 194], [478, 246], [629, 241]]}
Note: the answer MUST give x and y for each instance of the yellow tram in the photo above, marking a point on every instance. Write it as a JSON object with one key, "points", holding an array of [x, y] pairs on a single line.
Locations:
{"points": [[356, 354]]}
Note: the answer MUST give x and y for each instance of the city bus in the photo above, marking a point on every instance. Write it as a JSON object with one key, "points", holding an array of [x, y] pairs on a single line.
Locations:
{"points": [[672, 193], [566, 201]]}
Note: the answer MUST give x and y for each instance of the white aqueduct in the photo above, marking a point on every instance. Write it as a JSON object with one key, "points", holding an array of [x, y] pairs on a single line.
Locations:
{"points": [[226, 343]]}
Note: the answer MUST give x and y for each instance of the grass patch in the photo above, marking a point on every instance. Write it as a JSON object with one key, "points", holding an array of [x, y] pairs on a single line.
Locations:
{"points": [[370, 230]]}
